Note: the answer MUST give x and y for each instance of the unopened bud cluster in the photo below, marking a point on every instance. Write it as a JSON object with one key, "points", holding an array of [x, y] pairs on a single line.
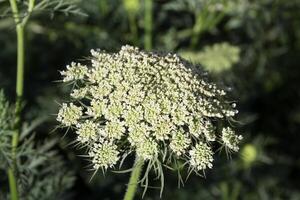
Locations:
{"points": [[147, 103]]}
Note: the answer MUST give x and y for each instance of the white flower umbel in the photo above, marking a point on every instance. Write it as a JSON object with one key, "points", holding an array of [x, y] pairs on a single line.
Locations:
{"points": [[104, 155], [97, 108], [158, 106], [201, 156], [147, 150], [179, 142], [87, 131], [114, 129], [79, 93], [75, 71], [230, 139], [69, 114], [137, 134]]}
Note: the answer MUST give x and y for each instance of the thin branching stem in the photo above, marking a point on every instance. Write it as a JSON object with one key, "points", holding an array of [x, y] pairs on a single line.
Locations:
{"points": [[134, 179]]}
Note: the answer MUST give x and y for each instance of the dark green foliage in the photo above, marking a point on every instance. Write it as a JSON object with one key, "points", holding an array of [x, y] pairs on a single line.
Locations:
{"points": [[6, 125], [41, 172]]}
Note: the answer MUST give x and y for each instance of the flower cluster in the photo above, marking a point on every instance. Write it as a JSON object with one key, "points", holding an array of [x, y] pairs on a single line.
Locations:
{"points": [[148, 103], [69, 114], [201, 156], [230, 139]]}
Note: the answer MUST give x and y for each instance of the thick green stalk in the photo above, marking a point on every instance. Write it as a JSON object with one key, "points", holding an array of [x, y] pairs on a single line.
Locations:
{"points": [[19, 92], [148, 25], [12, 185], [133, 27], [19, 87], [134, 179], [20, 24]]}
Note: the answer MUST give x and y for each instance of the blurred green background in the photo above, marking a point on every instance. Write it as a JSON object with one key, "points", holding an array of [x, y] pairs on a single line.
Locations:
{"points": [[251, 46]]}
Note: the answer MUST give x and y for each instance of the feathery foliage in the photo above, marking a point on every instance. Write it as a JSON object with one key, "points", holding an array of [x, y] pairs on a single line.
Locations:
{"points": [[41, 172]]}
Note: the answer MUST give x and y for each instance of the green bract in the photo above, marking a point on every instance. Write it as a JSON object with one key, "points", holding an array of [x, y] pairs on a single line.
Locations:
{"points": [[157, 105]]}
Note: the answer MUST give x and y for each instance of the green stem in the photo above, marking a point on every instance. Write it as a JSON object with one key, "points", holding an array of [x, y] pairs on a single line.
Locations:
{"points": [[148, 25], [133, 27], [12, 185], [19, 91], [197, 29], [134, 179], [20, 71], [20, 24], [30, 8], [104, 7]]}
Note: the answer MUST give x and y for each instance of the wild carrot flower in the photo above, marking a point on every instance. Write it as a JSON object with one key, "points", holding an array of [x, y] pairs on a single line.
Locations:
{"points": [[158, 106]]}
